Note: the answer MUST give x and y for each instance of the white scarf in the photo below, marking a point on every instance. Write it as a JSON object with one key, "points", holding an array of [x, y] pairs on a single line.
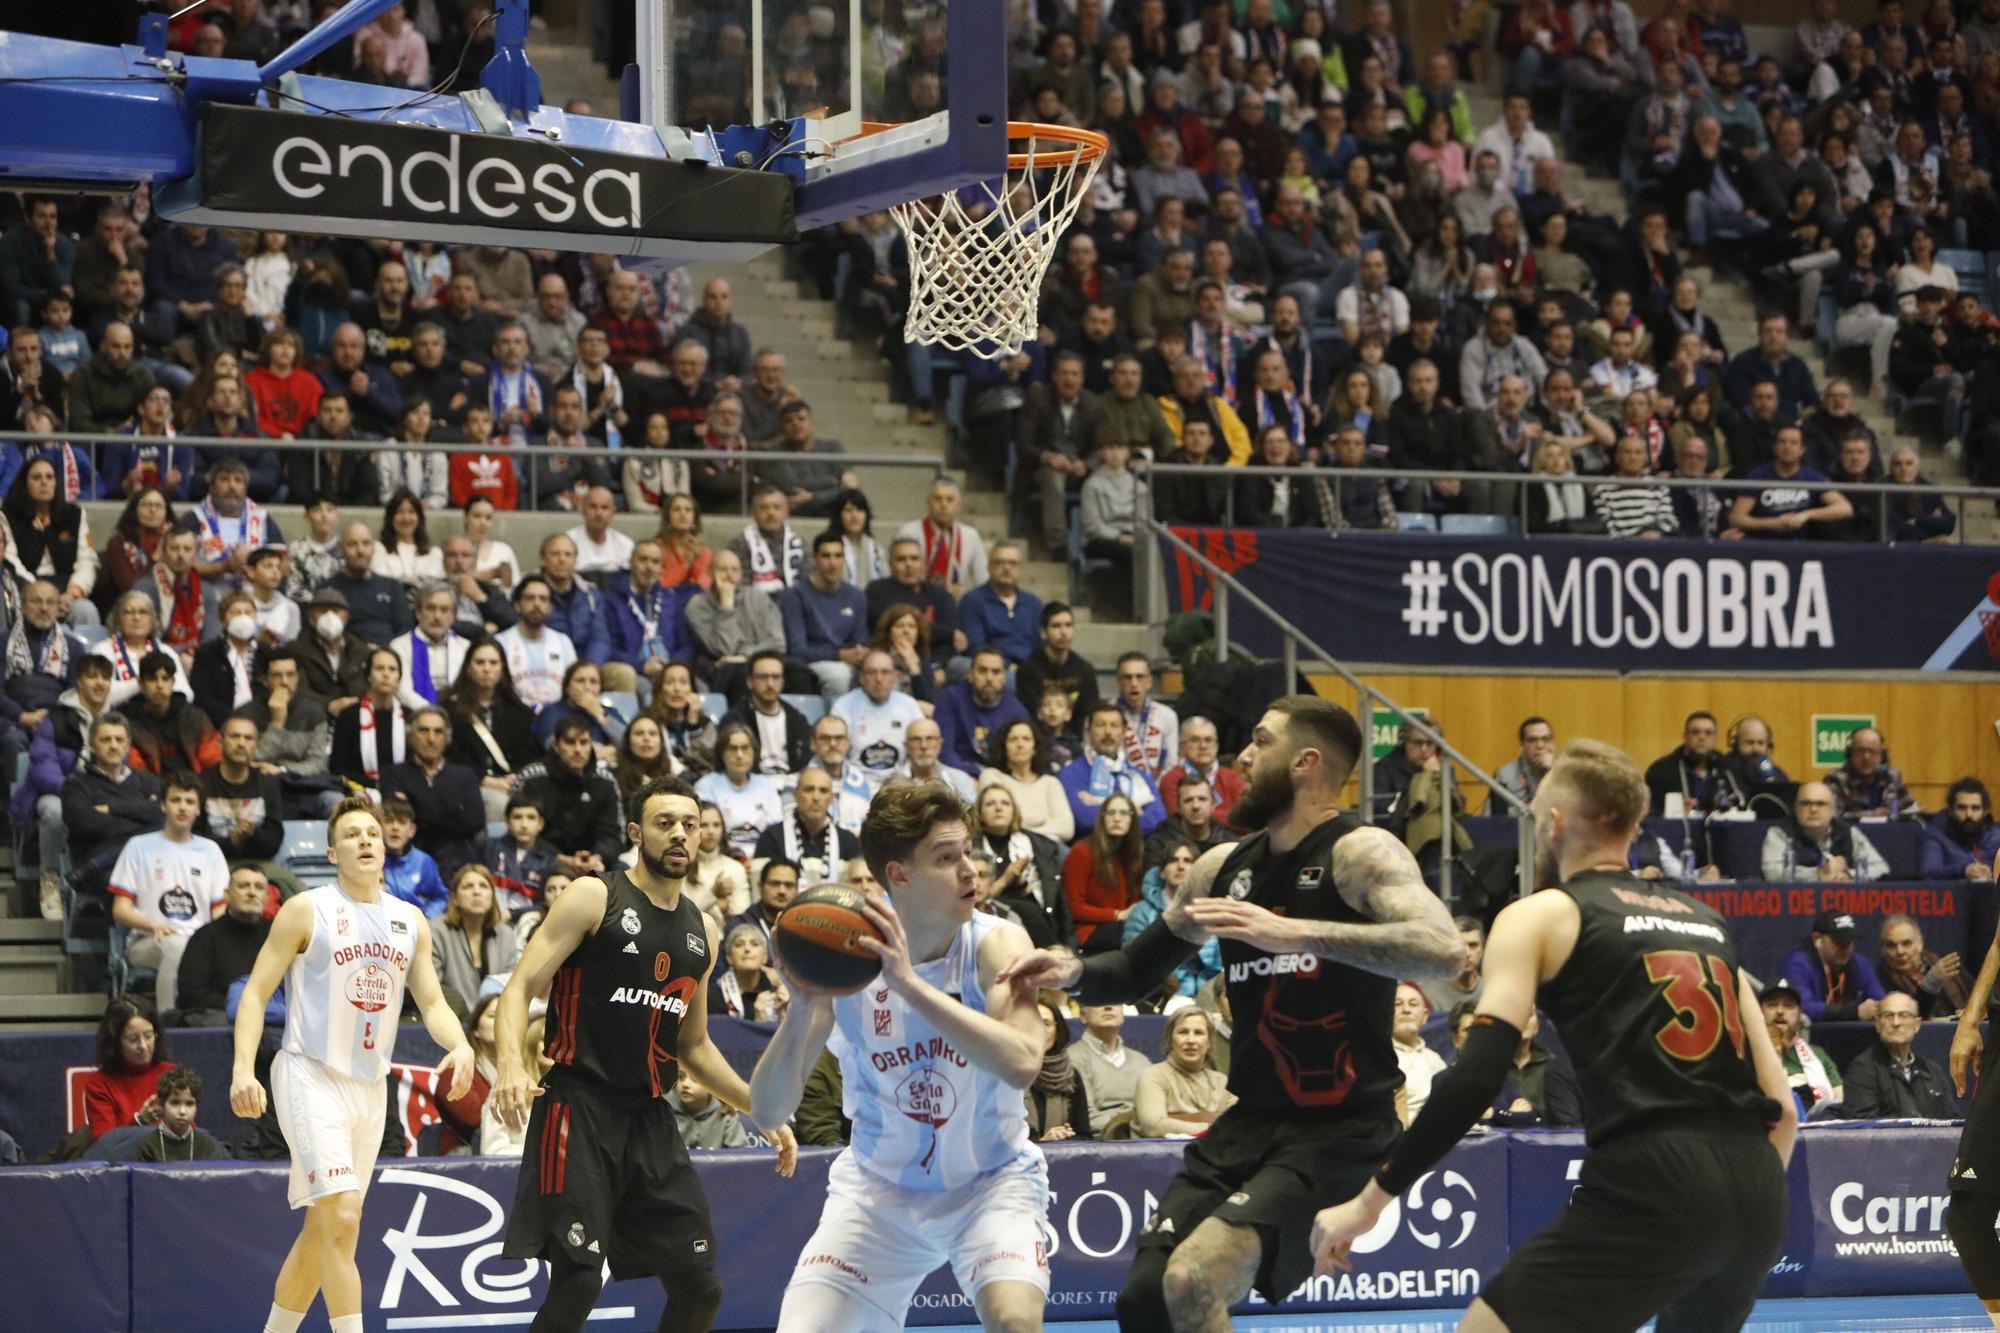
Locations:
{"points": [[732, 993], [54, 655], [249, 528], [371, 749], [611, 397], [1815, 1073], [523, 390], [767, 568], [1566, 500]]}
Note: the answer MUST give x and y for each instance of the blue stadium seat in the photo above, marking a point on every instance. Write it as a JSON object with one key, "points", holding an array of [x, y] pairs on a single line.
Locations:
{"points": [[713, 706], [625, 701], [1406, 522], [305, 851], [92, 635], [811, 705], [1970, 266], [1478, 525], [1081, 566], [497, 830], [120, 972]]}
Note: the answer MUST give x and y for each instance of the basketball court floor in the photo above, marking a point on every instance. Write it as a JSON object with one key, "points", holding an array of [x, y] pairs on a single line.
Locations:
{"points": [[1847, 1314]]}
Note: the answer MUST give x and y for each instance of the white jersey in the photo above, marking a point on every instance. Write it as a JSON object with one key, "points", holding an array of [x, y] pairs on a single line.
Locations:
{"points": [[925, 1118], [344, 992], [538, 665], [875, 731], [746, 811], [180, 883]]}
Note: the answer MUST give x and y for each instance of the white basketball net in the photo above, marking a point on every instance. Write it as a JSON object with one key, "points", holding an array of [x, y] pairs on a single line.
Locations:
{"points": [[978, 255]]}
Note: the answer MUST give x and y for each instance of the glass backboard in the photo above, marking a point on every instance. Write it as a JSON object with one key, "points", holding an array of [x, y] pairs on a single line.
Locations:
{"points": [[933, 72]]}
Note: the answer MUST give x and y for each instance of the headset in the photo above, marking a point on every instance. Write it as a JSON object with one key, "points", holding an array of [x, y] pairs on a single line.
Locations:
{"points": [[1848, 752], [1736, 725]]}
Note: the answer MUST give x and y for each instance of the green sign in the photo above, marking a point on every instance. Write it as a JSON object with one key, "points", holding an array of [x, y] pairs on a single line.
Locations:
{"points": [[1388, 727], [1831, 733]]}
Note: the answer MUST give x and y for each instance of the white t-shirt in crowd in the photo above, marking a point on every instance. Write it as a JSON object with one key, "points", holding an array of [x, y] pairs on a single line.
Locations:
{"points": [[875, 731], [746, 811], [180, 883], [537, 665], [771, 756], [613, 555]]}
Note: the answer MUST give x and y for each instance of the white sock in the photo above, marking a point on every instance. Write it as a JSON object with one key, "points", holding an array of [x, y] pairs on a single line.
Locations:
{"points": [[348, 1323], [281, 1320]]}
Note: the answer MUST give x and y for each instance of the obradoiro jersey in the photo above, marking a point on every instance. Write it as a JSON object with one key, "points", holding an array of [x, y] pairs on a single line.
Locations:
{"points": [[924, 1117], [344, 992]]}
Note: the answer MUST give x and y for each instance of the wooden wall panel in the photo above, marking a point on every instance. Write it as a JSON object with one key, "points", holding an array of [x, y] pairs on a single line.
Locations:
{"points": [[1936, 731]]}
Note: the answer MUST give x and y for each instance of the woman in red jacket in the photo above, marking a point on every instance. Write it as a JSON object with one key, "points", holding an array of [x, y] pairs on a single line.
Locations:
{"points": [[1101, 875], [131, 1056]]}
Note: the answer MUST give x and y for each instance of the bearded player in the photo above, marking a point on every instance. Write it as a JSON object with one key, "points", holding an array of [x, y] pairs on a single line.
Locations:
{"points": [[934, 1058], [344, 954], [624, 960], [1681, 1208], [1319, 916]]}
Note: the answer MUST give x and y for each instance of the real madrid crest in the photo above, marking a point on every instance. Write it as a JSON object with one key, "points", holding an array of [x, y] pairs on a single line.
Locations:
{"points": [[1239, 887], [630, 920]]}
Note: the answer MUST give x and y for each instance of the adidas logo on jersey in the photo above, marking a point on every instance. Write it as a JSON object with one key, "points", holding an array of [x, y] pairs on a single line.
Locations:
{"points": [[630, 947]]}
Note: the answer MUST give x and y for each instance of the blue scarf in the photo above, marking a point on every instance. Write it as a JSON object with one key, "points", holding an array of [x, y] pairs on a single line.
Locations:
{"points": [[420, 665]]}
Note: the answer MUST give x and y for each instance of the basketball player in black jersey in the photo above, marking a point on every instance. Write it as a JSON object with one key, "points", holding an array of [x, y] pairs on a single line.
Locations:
{"points": [[1975, 1166], [1681, 1209], [624, 960], [1319, 915]]}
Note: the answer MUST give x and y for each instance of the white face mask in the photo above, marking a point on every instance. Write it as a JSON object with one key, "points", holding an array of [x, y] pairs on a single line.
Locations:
{"points": [[328, 624], [242, 628]]}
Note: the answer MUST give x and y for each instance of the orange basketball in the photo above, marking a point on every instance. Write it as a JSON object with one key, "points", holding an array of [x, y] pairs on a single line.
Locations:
{"points": [[819, 935]]}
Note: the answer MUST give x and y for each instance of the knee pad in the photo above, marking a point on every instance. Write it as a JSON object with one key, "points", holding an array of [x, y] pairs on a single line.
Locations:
{"points": [[1142, 1301], [693, 1297]]}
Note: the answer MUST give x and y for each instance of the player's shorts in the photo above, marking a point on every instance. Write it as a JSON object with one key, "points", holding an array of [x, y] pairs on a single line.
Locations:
{"points": [[605, 1177], [877, 1241], [1682, 1223], [332, 1123], [1976, 1164], [1271, 1173]]}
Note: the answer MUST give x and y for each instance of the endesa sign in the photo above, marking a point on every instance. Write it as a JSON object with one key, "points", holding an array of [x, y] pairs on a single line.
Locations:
{"points": [[374, 178]]}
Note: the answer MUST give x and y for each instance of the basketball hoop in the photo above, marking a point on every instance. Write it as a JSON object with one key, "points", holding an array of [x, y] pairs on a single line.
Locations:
{"points": [[978, 254]]}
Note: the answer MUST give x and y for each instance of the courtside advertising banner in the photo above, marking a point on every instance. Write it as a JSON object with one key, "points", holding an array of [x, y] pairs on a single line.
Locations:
{"points": [[1421, 600]]}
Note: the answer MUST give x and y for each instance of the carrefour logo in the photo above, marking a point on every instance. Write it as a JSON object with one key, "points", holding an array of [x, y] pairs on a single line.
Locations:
{"points": [[1440, 1212], [1855, 1212]]}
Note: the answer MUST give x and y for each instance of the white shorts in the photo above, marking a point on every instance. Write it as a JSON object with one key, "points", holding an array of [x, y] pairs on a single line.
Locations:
{"points": [[876, 1243], [332, 1123]]}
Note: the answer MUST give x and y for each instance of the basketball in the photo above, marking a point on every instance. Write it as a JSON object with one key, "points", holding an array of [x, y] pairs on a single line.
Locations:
{"points": [[820, 934]]}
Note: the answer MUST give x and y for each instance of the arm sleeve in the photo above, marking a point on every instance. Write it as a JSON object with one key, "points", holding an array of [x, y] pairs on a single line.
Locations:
{"points": [[1458, 1096], [1079, 1107], [1138, 969]]}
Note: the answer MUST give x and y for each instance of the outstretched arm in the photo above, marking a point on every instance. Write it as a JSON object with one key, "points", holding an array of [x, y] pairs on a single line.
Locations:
{"points": [[1967, 1047], [1513, 969], [291, 931], [699, 1056], [568, 923], [1408, 934], [439, 1020]]}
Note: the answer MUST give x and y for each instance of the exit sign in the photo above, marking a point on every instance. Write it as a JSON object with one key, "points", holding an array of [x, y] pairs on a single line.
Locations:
{"points": [[1388, 727], [1830, 734]]}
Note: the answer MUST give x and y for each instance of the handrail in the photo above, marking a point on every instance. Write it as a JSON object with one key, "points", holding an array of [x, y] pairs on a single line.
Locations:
{"points": [[1226, 584], [92, 441]]}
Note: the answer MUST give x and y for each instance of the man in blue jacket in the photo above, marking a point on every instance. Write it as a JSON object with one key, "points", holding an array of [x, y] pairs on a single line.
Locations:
{"points": [[649, 625], [1090, 778], [1835, 984], [1000, 613], [826, 619], [973, 711], [1961, 841], [580, 611]]}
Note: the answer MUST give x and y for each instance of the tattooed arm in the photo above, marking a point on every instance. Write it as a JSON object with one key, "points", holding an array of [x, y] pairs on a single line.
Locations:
{"points": [[1409, 934]]}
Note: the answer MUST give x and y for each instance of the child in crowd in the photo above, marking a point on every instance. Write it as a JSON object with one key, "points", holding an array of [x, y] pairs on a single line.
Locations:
{"points": [[520, 862], [64, 345], [703, 1120], [316, 559], [278, 617], [1054, 716], [175, 1138], [409, 872]]}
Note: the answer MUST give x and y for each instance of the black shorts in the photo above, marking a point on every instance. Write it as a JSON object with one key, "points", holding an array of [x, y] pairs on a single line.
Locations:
{"points": [[606, 1177], [1976, 1164], [1680, 1224], [1272, 1173]]}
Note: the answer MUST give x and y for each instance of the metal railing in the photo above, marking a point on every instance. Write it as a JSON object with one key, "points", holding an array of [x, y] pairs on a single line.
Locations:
{"points": [[1522, 482], [522, 455], [1368, 698]]}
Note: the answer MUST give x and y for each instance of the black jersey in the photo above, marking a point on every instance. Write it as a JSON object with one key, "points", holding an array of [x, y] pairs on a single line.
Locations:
{"points": [[616, 1004], [1308, 1034], [1648, 1008]]}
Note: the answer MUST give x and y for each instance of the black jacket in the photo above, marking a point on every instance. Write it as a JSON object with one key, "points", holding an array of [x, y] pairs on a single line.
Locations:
{"points": [[513, 728], [1875, 1091], [798, 732], [1189, 498], [451, 815], [1669, 774], [1420, 439], [100, 813], [214, 681], [350, 761], [220, 952], [220, 801], [378, 608], [320, 679], [581, 810]]}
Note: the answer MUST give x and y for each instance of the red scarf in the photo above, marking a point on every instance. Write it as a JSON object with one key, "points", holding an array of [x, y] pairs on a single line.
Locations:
{"points": [[942, 557], [183, 628]]}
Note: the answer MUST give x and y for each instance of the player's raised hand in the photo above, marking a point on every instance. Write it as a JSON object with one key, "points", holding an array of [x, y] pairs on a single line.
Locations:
{"points": [[894, 946], [246, 1096], [787, 1144], [1043, 969], [513, 1095], [1258, 927], [459, 1064]]}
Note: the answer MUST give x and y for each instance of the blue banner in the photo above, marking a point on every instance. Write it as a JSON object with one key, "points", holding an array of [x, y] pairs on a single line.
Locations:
{"points": [[1428, 601], [92, 1246]]}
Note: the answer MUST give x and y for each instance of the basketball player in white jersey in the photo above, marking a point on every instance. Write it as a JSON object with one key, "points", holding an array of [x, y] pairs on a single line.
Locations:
{"points": [[344, 954], [934, 1059]]}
